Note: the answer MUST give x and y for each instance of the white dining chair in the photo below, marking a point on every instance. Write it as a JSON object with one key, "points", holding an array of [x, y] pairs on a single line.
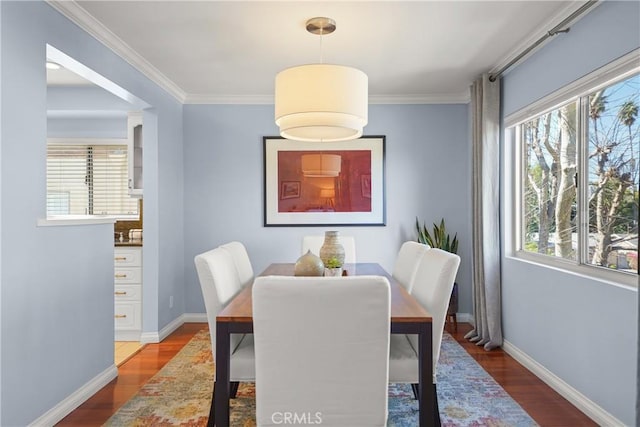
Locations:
{"points": [[219, 282], [241, 261], [433, 284], [314, 243], [322, 346], [406, 265]]}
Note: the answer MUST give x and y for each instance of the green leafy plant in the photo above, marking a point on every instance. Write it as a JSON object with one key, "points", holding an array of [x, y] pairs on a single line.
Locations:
{"points": [[438, 238], [333, 262]]}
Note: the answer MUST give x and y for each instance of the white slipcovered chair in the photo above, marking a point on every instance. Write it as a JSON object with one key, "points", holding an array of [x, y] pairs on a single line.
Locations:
{"points": [[314, 243], [433, 284], [406, 266], [219, 282], [241, 261], [322, 346]]}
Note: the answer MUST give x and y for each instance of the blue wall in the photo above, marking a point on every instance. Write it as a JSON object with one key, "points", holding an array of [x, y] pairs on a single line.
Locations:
{"points": [[56, 297], [582, 330], [428, 159], [56, 283], [203, 187]]}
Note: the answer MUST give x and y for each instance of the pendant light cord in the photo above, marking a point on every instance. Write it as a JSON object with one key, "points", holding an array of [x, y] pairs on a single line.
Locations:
{"points": [[321, 47]]}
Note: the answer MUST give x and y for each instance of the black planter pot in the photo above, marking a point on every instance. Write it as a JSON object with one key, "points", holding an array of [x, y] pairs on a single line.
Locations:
{"points": [[453, 308]]}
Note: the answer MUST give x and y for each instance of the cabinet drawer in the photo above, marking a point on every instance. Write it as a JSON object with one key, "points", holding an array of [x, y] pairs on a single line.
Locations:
{"points": [[127, 275], [127, 257], [127, 315], [127, 293]]}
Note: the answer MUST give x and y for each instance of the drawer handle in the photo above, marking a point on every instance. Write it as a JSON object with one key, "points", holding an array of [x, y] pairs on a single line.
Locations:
{"points": [[120, 293], [120, 258], [121, 276], [120, 316]]}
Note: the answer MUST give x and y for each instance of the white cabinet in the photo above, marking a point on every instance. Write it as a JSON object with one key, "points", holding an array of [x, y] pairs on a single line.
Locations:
{"points": [[135, 145], [128, 293]]}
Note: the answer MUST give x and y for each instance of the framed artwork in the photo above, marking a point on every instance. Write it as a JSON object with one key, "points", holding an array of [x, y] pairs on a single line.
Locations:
{"points": [[324, 183], [290, 190]]}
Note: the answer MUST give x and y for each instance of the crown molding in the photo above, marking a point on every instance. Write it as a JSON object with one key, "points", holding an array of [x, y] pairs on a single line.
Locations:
{"points": [[79, 16], [446, 98], [541, 32], [454, 98], [195, 98]]}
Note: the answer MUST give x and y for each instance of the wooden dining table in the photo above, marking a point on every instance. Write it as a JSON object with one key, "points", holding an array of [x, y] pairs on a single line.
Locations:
{"points": [[407, 317]]}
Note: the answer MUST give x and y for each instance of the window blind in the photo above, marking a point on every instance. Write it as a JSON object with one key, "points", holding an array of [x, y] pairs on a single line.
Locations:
{"points": [[88, 179]]}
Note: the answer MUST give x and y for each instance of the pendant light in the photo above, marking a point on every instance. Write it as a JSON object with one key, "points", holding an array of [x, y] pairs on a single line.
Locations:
{"points": [[321, 102], [321, 165]]}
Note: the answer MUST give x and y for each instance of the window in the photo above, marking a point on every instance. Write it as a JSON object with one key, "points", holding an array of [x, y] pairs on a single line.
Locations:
{"points": [[550, 199], [578, 177], [88, 179]]}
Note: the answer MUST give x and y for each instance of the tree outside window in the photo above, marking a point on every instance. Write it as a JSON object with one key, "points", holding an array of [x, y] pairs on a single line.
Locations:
{"points": [[599, 134]]}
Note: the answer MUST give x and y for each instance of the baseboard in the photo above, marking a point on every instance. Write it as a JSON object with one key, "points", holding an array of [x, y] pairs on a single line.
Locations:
{"points": [[195, 318], [64, 408], [150, 337], [77, 398], [579, 400], [464, 318], [156, 337], [135, 335]]}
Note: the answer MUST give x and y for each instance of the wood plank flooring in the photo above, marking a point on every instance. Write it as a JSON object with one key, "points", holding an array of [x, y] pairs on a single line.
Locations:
{"points": [[540, 401], [544, 405], [124, 350]]}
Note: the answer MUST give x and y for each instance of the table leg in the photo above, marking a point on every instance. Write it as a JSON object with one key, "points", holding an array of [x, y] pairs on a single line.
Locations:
{"points": [[223, 366], [425, 372]]}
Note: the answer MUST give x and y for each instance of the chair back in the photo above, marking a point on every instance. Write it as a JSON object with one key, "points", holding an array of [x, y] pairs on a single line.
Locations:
{"points": [[432, 288], [322, 348], [314, 243], [241, 261], [219, 283], [406, 266]]}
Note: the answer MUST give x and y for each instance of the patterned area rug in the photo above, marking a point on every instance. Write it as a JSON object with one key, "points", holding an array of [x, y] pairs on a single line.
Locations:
{"points": [[180, 394]]}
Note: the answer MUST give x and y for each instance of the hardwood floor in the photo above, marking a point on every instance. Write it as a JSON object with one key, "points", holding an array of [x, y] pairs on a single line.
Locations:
{"points": [[544, 405], [540, 401], [132, 375], [124, 350]]}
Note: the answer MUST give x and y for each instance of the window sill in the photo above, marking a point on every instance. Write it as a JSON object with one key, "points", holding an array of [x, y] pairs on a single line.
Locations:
{"points": [[58, 221], [622, 280]]}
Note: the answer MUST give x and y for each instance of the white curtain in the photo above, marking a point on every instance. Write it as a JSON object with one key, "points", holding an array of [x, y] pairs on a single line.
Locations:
{"points": [[485, 105]]}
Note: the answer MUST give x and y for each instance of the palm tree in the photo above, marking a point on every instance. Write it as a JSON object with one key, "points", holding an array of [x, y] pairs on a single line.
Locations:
{"points": [[628, 114], [597, 105]]}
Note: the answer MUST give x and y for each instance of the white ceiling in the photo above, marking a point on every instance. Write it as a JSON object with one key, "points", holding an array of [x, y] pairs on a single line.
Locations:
{"points": [[230, 51]]}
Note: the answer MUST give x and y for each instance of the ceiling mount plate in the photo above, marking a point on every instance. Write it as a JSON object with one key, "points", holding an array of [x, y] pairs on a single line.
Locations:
{"points": [[321, 25]]}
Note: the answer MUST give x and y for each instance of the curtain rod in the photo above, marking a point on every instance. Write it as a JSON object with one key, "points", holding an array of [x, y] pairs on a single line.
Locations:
{"points": [[552, 32]]}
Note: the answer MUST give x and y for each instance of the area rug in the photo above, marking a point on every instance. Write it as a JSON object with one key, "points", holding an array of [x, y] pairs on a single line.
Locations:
{"points": [[180, 394]]}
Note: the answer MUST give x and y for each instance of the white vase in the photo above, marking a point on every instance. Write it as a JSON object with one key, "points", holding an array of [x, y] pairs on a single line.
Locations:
{"points": [[332, 248], [333, 272]]}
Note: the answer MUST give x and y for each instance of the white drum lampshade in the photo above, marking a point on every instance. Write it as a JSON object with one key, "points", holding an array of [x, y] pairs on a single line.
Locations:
{"points": [[321, 165], [321, 102]]}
